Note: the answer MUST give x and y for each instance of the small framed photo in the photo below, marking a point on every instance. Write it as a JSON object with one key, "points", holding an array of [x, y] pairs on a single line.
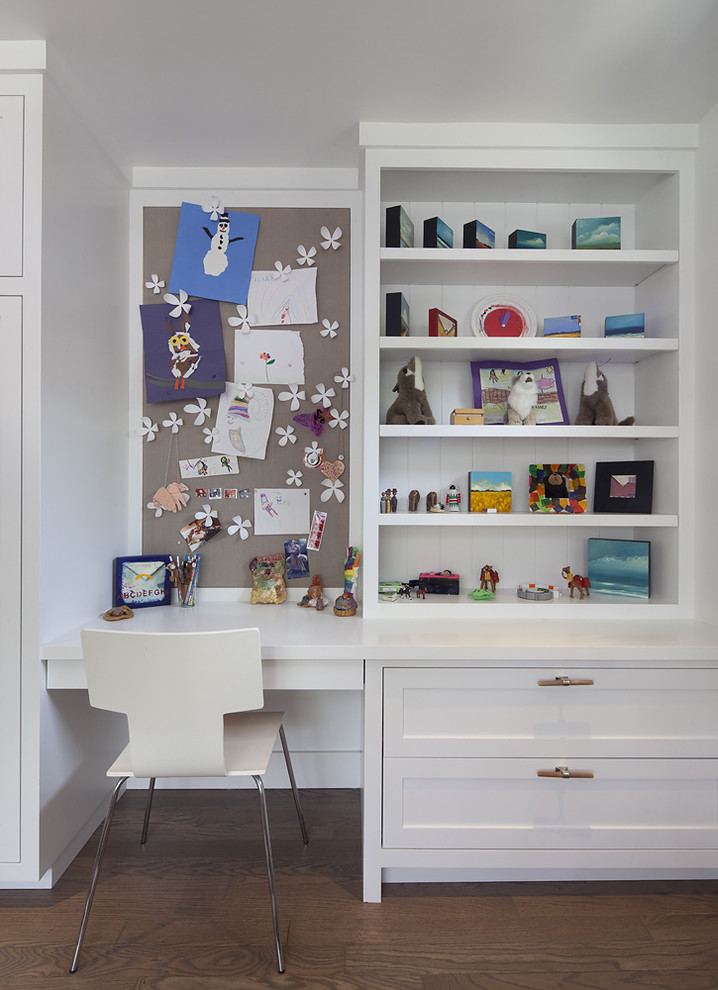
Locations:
{"points": [[623, 486], [557, 488], [141, 582]]}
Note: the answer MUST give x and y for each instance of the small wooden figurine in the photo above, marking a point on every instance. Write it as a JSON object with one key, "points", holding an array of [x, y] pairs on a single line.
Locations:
{"points": [[489, 578], [576, 582]]}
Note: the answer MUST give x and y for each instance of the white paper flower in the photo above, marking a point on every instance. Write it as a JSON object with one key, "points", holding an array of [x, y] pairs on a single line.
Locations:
{"points": [[285, 435], [179, 302], [210, 435], [244, 390], [200, 407], [332, 488], [306, 257], [294, 478], [172, 422], [241, 526], [214, 207], [323, 395], [241, 321], [343, 378], [330, 329], [157, 509], [292, 397], [331, 240], [314, 449], [207, 515], [281, 272], [339, 419], [148, 429], [155, 284]]}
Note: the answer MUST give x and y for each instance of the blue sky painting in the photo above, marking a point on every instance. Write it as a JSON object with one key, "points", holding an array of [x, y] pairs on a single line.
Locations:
{"points": [[620, 567]]}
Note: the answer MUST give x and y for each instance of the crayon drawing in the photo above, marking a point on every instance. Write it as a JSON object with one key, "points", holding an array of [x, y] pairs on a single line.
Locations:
{"points": [[277, 300], [279, 510], [244, 418], [269, 356]]}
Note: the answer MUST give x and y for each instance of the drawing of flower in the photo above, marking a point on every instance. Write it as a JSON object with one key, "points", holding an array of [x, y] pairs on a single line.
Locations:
{"points": [[306, 257], [292, 396], [154, 284], [285, 435], [207, 515], [210, 435], [281, 272], [241, 526], [200, 407], [323, 395], [331, 240], [343, 378], [241, 321], [268, 359], [330, 329], [179, 302], [214, 207], [338, 419], [294, 478], [148, 429], [173, 423], [333, 488]]}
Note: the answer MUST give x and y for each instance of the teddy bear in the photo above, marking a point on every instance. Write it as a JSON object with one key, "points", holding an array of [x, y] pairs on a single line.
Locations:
{"points": [[523, 396], [596, 408], [411, 406]]}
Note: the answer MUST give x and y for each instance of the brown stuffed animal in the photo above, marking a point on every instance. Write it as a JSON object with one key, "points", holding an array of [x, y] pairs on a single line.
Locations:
{"points": [[596, 408], [411, 406]]}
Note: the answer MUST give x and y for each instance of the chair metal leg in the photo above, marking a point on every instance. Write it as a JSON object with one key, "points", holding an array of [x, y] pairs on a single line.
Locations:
{"points": [[292, 781], [270, 865], [96, 870], [148, 809]]}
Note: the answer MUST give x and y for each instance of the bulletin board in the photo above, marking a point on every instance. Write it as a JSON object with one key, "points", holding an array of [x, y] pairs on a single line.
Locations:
{"points": [[247, 404]]}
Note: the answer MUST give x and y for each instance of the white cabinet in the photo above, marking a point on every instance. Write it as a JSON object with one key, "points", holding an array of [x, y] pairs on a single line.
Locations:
{"points": [[649, 378], [12, 126]]}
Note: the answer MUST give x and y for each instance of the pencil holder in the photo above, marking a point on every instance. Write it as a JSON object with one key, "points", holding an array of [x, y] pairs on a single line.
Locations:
{"points": [[184, 577]]}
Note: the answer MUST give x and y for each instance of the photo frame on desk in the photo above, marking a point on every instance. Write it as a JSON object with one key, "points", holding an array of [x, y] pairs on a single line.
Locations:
{"points": [[623, 486], [141, 581]]}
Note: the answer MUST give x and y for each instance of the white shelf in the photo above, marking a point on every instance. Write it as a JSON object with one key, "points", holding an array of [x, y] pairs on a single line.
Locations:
{"points": [[506, 266], [544, 432], [510, 520], [626, 350]]}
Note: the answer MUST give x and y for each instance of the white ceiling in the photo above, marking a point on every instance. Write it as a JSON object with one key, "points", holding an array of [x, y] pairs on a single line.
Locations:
{"points": [[284, 83]]}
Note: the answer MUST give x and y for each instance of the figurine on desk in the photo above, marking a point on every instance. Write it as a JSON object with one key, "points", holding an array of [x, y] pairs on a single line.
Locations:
{"points": [[314, 597]]}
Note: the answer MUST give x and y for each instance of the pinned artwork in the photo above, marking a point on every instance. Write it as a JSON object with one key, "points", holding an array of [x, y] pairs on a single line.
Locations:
{"points": [[213, 258], [244, 419], [281, 298], [492, 384], [313, 421], [319, 521], [295, 556], [184, 354], [269, 356], [202, 467], [281, 510]]}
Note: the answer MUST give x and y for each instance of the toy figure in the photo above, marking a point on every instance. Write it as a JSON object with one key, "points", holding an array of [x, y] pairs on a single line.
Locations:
{"points": [[405, 591], [268, 586], [575, 581], [596, 408], [411, 406], [523, 396], [345, 604], [489, 578], [314, 597], [453, 498], [414, 497]]}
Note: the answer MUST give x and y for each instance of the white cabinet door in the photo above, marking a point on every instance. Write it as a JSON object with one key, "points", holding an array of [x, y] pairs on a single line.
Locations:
{"points": [[12, 119], [10, 570]]}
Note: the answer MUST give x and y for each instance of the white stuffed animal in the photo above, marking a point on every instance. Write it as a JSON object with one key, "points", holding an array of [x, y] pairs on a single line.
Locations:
{"points": [[522, 400]]}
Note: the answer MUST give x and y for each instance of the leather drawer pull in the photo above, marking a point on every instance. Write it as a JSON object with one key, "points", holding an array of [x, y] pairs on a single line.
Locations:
{"points": [[565, 682], [564, 772]]}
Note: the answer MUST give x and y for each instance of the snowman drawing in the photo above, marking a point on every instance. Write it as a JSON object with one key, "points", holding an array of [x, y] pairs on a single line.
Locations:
{"points": [[215, 261]]}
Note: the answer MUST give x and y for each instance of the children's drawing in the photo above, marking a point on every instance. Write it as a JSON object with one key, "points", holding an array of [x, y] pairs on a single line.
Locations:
{"points": [[313, 421], [275, 302], [183, 354], [244, 419], [209, 466], [274, 357], [213, 258], [281, 510]]}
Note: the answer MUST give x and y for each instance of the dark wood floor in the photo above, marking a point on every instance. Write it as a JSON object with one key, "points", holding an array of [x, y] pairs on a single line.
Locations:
{"points": [[190, 911]]}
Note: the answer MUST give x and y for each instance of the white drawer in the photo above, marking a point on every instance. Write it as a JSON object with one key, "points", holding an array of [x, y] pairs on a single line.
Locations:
{"points": [[450, 711], [504, 804], [12, 111]]}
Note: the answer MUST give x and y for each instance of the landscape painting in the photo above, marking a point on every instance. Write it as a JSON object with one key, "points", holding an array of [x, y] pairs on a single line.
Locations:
{"points": [[620, 567], [489, 491]]}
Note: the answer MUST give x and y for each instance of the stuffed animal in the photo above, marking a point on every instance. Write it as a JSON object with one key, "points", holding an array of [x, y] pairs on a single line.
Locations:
{"points": [[596, 408], [411, 406], [522, 400]]}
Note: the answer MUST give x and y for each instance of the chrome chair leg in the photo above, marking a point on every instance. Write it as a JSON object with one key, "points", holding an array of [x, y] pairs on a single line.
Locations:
{"points": [[292, 781], [148, 809], [270, 866], [96, 870]]}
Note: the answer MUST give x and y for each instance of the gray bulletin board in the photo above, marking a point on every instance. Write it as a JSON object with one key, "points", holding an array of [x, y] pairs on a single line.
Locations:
{"points": [[226, 557]]}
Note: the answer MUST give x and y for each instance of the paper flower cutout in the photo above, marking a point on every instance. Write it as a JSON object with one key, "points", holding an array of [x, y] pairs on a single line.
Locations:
{"points": [[323, 395], [281, 272], [179, 302], [148, 429], [241, 321], [306, 257], [331, 240], [157, 509], [292, 397], [172, 422], [343, 378], [285, 435], [244, 390], [330, 329], [339, 419], [314, 449], [155, 284], [241, 526], [207, 515], [200, 407], [333, 488], [214, 207], [294, 478], [210, 435]]}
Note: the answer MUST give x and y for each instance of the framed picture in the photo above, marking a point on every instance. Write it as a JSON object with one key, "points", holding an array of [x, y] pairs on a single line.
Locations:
{"points": [[441, 324], [141, 582], [492, 384], [557, 488], [623, 486], [620, 567], [489, 491]]}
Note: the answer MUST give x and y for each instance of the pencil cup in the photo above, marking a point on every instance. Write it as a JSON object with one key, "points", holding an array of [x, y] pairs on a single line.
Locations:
{"points": [[184, 577]]}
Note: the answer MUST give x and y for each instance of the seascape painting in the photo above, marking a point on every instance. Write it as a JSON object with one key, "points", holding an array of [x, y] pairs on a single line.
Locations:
{"points": [[620, 567]]}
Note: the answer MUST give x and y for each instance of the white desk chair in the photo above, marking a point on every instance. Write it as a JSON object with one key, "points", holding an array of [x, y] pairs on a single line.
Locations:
{"points": [[187, 697]]}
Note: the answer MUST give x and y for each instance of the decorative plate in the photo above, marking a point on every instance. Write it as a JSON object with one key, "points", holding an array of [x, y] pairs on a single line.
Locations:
{"points": [[503, 316]]}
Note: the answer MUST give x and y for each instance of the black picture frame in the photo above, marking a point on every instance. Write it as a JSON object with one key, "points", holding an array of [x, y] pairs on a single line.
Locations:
{"points": [[155, 587], [613, 495]]}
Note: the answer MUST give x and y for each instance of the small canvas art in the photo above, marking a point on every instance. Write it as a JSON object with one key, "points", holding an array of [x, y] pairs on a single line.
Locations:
{"points": [[437, 234], [562, 326], [596, 233], [627, 325], [282, 298], [244, 418], [399, 228], [557, 488], [478, 235], [441, 324], [397, 315], [621, 568], [489, 491], [531, 239], [184, 355], [623, 486]]}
